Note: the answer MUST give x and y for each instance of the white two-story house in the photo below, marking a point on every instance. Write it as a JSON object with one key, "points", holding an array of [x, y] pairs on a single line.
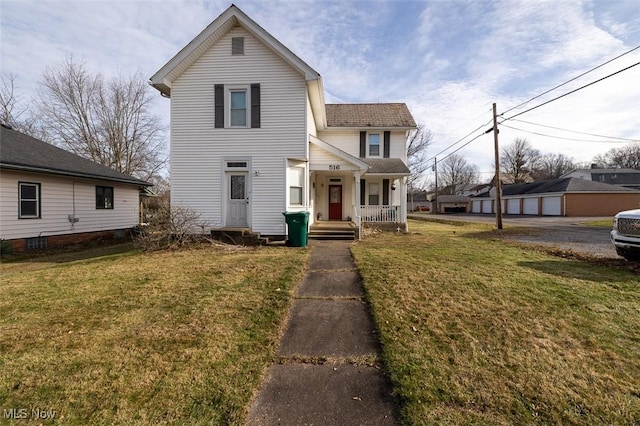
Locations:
{"points": [[251, 137]]}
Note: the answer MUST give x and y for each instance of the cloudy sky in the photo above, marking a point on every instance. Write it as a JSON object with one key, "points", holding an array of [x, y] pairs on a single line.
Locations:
{"points": [[449, 60]]}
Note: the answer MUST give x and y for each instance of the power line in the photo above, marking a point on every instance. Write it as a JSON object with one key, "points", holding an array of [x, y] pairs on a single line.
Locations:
{"points": [[569, 81], [453, 152], [460, 140], [575, 131], [569, 93], [560, 137]]}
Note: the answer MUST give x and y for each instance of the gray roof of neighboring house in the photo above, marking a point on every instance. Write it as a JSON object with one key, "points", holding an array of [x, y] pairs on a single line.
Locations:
{"points": [[25, 153], [559, 185], [386, 165], [369, 115]]}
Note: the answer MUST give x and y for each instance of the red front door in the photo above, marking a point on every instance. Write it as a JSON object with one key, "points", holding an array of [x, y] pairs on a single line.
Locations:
{"points": [[335, 202]]}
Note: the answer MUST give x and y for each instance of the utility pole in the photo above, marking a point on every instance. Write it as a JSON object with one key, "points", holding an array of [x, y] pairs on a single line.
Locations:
{"points": [[497, 178], [435, 169]]}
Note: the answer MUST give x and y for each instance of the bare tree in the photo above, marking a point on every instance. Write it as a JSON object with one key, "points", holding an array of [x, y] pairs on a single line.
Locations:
{"points": [[454, 172], [108, 122], [519, 159], [552, 166], [417, 146], [627, 156], [13, 112]]}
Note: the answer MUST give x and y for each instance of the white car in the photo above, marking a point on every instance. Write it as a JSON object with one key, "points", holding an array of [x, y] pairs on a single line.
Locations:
{"points": [[626, 234]]}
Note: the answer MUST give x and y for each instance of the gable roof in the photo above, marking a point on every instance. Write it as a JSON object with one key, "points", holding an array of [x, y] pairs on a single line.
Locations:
{"points": [[163, 79], [231, 17], [369, 115], [358, 162], [559, 185], [25, 153]]}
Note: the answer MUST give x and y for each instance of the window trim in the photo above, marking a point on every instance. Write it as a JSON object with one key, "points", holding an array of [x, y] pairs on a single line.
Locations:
{"points": [[247, 105], [101, 206], [369, 144], [300, 188], [38, 200]]}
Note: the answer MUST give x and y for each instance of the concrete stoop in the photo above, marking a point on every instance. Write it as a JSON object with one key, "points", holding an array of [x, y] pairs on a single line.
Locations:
{"points": [[328, 366], [239, 236]]}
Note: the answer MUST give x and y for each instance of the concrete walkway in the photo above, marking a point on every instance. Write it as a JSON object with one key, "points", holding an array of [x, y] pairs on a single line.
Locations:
{"points": [[327, 372]]}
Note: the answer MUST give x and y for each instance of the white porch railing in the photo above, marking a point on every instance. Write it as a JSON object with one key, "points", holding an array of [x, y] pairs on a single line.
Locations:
{"points": [[380, 213]]}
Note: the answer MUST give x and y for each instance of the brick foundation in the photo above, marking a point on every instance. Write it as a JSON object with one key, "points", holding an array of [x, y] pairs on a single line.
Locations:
{"points": [[54, 241]]}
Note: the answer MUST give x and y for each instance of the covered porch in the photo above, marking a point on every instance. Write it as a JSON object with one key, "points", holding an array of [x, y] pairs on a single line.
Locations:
{"points": [[362, 191]]}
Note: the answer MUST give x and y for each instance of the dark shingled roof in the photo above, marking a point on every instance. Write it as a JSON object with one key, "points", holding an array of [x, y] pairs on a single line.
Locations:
{"points": [[21, 152], [386, 165], [559, 185], [369, 115]]}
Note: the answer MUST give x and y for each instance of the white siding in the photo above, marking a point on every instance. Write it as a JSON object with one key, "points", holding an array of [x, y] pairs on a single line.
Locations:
{"points": [[60, 197], [322, 160], [349, 142], [198, 149]]}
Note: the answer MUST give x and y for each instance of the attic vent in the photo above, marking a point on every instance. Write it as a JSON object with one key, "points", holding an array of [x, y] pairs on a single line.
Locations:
{"points": [[237, 45]]}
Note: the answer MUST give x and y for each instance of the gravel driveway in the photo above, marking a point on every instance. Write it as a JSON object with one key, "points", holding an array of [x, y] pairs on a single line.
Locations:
{"points": [[566, 233]]}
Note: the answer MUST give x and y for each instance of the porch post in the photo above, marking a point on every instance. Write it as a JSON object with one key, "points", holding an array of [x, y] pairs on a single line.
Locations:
{"points": [[358, 219], [403, 202]]}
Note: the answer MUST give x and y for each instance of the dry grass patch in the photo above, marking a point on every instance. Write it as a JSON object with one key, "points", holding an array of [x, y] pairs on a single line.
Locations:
{"points": [[164, 337], [476, 330]]}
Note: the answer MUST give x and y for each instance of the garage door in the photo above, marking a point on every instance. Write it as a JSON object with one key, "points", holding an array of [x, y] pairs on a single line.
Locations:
{"points": [[530, 206], [551, 206], [486, 206], [476, 206], [513, 206]]}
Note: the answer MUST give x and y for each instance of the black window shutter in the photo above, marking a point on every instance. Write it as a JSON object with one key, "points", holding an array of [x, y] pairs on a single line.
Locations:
{"points": [[363, 144], [255, 105], [387, 144], [385, 192], [363, 186], [219, 105]]}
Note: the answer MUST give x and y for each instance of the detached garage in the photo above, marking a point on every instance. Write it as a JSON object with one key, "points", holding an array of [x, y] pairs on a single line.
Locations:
{"points": [[561, 197]]}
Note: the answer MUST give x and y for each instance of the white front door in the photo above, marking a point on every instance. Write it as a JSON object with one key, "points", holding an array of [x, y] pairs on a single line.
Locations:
{"points": [[237, 199]]}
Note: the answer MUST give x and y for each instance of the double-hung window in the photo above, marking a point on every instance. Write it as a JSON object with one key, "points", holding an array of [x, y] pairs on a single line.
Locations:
{"points": [[374, 144], [104, 197], [29, 200], [296, 186], [238, 112], [374, 194]]}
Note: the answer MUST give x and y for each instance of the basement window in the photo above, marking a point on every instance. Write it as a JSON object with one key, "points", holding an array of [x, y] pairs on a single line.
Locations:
{"points": [[35, 243]]}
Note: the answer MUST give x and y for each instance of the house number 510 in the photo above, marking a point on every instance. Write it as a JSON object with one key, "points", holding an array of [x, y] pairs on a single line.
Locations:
{"points": [[334, 166]]}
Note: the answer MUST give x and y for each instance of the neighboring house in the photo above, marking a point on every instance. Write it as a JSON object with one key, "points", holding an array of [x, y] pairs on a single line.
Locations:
{"points": [[510, 178], [50, 197], [559, 197], [629, 178], [251, 137], [419, 201]]}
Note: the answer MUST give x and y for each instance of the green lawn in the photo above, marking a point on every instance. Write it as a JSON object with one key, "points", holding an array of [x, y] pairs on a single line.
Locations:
{"points": [[143, 338], [479, 331]]}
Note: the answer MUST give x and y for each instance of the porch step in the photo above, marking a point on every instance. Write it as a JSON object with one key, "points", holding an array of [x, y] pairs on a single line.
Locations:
{"points": [[331, 234], [239, 236]]}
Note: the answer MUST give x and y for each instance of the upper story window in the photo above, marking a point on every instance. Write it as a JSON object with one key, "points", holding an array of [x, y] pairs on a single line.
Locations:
{"points": [[29, 200], [104, 197], [374, 144], [238, 112], [237, 105], [237, 45]]}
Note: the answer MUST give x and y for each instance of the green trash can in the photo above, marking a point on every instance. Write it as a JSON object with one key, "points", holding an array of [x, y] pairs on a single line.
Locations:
{"points": [[297, 225]]}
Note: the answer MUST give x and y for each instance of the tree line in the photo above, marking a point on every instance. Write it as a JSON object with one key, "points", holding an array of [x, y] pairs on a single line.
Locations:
{"points": [[107, 120]]}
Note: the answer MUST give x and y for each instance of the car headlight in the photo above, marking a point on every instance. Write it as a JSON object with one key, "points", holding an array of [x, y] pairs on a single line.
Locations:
{"points": [[615, 223]]}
